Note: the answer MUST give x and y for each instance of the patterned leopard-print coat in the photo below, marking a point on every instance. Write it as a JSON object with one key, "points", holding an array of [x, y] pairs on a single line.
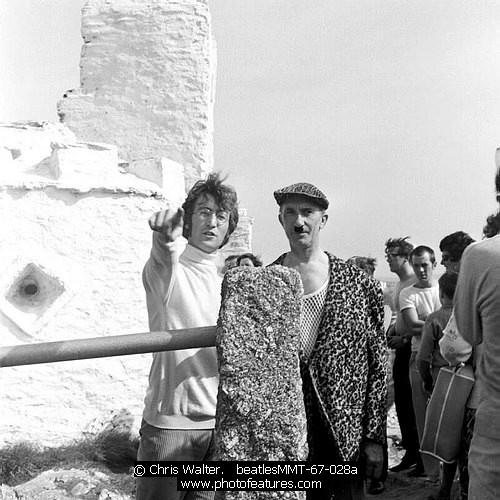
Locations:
{"points": [[348, 364]]}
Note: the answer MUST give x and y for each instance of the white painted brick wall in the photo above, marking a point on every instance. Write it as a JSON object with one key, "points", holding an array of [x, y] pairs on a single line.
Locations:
{"points": [[79, 214], [147, 81], [87, 230], [96, 241]]}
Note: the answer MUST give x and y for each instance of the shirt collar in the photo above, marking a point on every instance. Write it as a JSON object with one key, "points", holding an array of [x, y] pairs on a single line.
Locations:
{"points": [[196, 255]]}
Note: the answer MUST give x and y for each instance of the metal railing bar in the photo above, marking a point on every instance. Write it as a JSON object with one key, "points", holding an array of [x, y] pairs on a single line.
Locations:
{"points": [[101, 347]]}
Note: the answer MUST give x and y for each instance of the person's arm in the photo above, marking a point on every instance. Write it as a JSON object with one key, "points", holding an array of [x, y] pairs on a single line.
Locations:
{"points": [[395, 341], [424, 355], [397, 338], [413, 324], [466, 298], [159, 269]]}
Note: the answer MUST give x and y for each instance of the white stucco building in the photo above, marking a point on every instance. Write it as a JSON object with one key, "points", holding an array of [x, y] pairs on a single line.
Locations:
{"points": [[75, 198]]}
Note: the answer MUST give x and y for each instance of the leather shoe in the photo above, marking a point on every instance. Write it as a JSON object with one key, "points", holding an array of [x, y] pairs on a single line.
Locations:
{"points": [[416, 471], [376, 487]]}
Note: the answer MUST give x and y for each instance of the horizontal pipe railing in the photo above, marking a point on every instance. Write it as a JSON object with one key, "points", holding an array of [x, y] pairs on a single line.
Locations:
{"points": [[101, 347]]}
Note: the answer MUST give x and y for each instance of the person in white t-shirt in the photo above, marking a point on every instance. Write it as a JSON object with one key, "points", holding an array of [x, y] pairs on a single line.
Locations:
{"points": [[183, 290], [416, 302]]}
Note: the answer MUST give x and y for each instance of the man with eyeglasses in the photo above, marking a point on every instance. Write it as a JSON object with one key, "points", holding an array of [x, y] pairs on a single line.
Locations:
{"points": [[397, 254], [183, 291]]}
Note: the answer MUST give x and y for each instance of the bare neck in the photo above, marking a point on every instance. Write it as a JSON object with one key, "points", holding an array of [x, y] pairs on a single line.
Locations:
{"points": [[406, 273], [313, 267], [304, 256]]}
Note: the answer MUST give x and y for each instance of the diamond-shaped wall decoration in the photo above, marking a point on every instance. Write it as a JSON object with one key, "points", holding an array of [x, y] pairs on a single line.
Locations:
{"points": [[30, 294]]}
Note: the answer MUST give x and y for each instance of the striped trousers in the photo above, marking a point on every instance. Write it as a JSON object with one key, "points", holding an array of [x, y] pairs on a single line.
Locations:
{"points": [[172, 445]]}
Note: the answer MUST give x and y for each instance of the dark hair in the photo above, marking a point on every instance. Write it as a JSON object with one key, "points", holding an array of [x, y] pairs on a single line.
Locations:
{"points": [[497, 184], [492, 227], [368, 264], [448, 283], [257, 262], [420, 250], [224, 195], [405, 247], [455, 244]]}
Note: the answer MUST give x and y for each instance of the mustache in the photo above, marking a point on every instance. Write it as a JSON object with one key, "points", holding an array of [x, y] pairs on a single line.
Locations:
{"points": [[299, 229]]}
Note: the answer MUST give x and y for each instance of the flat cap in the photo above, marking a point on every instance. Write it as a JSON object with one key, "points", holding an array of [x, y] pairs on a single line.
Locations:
{"points": [[304, 189]]}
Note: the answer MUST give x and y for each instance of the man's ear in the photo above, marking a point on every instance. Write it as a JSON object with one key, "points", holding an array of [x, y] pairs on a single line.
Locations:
{"points": [[280, 218], [324, 219]]}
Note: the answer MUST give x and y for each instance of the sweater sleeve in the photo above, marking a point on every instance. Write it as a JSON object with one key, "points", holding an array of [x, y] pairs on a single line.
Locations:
{"points": [[157, 278], [466, 298]]}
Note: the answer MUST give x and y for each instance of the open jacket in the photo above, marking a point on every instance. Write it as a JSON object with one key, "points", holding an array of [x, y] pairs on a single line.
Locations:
{"points": [[348, 365]]}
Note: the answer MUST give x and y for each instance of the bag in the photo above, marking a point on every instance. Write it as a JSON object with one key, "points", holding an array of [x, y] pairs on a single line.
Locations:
{"points": [[445, 412]]}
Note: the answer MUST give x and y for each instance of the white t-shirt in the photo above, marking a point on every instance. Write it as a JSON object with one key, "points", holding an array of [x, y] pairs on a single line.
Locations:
{"points": [[424, 301]]}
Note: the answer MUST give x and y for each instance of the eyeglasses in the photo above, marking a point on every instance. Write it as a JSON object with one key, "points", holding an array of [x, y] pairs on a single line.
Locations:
{"points": [[206, 214], [389, 255], [446, 257]]}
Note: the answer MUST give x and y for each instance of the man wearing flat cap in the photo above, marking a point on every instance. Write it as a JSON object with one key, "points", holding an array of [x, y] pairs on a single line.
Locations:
{"points": [[343, 347]]}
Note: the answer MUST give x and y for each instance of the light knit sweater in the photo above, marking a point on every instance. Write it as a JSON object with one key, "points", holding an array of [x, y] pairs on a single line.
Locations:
{"points": [[182, 291], [477, 314]]}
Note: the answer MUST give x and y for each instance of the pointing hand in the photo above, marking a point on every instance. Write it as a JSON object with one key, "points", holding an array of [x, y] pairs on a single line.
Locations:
{"points": [[168, 223]]}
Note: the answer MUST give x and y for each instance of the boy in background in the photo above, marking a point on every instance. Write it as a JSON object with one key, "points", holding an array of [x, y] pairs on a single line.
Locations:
{"points": [[430, 360]]}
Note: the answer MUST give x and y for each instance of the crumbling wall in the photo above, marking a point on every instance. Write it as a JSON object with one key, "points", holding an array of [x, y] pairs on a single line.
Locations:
{"points": [[147, 81], [74, 237]]}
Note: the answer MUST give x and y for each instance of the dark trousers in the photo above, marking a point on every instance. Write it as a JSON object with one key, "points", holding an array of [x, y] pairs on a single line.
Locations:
{"points": [[463, 454], [403, 400], [323, 450]]}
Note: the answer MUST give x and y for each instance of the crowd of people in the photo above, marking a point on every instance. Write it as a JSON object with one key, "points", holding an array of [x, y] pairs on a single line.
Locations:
{"points": [[344, 344]]}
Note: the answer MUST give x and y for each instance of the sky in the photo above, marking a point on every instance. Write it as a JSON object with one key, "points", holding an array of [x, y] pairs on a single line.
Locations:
{"points": [[390, 107]]}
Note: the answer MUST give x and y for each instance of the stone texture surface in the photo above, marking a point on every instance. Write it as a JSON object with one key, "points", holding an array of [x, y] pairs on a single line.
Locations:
{"points": [[75, 483], [99, 244], [260, 410], [147, 81], [26, 147], [241, 240], [44, 155], [167, 174], [121, 486]]}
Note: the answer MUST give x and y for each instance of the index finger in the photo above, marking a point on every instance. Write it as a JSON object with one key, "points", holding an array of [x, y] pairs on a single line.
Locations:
{"points": [[178, 218]]}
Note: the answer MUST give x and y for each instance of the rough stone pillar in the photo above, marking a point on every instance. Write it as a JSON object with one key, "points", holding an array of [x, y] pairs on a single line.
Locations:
{"points": [[147, 81], [260, 409]]}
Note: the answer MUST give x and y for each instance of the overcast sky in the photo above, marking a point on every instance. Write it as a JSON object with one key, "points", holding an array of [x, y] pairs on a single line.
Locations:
{"points": [[391, 107]]}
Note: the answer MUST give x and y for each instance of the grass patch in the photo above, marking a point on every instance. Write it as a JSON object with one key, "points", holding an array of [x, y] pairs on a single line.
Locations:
{"points": [[24, 461]]}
